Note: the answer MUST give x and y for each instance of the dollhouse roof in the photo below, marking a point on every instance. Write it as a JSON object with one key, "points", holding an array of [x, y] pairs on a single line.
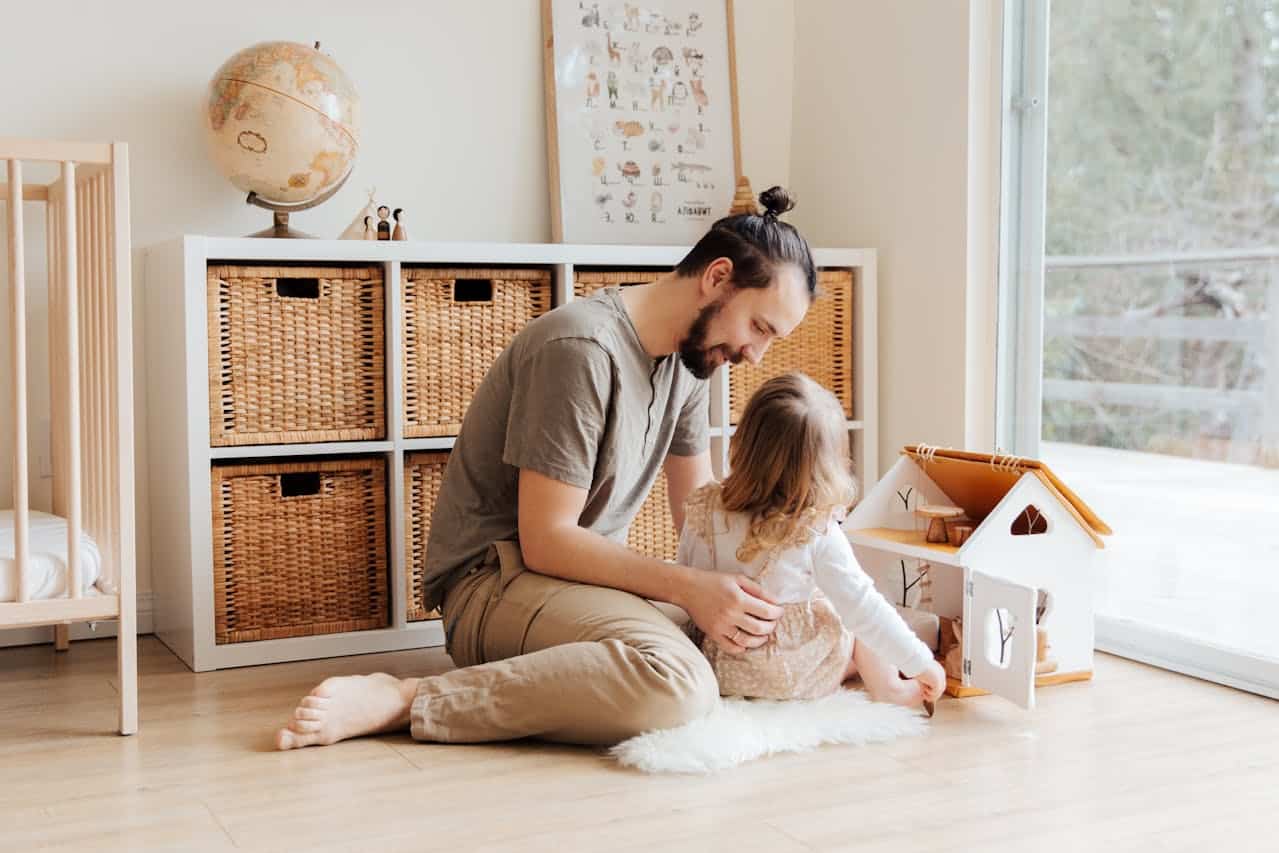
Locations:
{"points": [[976, 482]]}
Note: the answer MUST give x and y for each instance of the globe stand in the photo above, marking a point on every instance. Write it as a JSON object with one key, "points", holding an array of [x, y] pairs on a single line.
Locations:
{"points": [[281, 227]]}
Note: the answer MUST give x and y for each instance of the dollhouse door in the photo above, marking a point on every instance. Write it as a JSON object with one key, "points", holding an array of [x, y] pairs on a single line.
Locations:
{"points": [[999, 637]]}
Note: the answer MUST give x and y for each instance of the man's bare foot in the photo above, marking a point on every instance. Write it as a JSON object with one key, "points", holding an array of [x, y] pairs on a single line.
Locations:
{"points": [[347, 707]]}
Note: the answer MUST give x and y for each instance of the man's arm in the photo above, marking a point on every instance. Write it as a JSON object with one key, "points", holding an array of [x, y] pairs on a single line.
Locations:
{"points": [[683, 475], [731, 609]]}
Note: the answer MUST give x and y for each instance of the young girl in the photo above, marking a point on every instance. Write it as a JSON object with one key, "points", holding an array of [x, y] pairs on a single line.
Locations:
{"points": [[776, 519]]}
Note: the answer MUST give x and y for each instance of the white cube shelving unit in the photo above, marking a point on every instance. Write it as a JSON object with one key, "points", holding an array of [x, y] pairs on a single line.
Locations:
{"points": [[180, 456]]}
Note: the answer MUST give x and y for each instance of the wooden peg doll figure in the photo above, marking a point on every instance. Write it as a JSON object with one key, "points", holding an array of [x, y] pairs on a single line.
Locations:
{"points": [[383, 224], [370, 233], [399, 233]]}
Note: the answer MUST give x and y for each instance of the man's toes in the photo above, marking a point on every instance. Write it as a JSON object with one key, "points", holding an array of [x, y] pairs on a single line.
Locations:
{"points": [[289, 739], [305, 712], [314, 702], [304, 726], [325, 688]]}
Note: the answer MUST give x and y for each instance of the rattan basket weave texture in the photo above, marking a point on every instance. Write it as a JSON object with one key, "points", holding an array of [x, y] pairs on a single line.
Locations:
{"points": [[299, 548], [296, 354]]}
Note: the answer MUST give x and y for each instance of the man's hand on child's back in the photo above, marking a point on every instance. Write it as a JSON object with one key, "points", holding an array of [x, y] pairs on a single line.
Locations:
{"points": [[733, 610]]}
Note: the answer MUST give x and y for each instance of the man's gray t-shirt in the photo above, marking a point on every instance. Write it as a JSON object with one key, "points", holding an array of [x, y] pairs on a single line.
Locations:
{"points": [[574, 397]]}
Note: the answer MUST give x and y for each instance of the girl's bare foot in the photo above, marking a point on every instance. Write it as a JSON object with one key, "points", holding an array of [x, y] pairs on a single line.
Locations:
{"points": [[347, 707]]}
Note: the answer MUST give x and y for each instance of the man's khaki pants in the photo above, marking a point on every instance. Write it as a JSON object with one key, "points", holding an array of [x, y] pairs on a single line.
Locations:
{"points": [[543, 657]]}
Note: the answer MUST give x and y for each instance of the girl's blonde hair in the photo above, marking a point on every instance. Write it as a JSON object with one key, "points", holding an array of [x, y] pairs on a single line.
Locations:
{"points": [[789, 461]]}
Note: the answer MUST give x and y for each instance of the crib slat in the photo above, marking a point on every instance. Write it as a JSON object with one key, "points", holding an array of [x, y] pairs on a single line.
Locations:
{"points": [[101, 359], [61, 459], [88, 349], [88, 355], [51, 264], [18, 284], [56, 395], [86, 378], [122, 494], [110, 359], [110, 390], [72, 349], [82, 345], [64, 396], [97, 362]]}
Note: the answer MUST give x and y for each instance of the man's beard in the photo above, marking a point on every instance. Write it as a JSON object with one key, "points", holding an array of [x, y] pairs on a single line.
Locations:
{"points": [[693, 351]]}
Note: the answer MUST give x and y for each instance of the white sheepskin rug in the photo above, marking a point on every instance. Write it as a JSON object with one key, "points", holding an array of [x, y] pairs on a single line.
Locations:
{"points": [[742, 730]]}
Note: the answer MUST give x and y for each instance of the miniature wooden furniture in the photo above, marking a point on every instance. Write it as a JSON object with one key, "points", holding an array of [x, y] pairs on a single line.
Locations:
{"points": [[937, 517], [957, 534]]}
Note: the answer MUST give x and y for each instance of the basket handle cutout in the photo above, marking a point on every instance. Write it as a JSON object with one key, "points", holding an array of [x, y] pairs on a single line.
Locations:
{"points": [[298, 288], [301, 484], [473, 290]]}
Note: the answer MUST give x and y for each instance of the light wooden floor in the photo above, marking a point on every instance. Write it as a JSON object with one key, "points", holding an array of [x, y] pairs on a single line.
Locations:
{"points": [[1137, 760]]}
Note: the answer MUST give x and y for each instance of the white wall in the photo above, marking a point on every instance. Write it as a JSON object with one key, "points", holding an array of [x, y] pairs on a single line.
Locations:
{"points": [[880, 157], [867, 109], [453, 113]]}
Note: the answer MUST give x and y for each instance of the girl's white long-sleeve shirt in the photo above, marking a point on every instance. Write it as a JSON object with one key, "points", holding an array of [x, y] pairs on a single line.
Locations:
{"points": [[820, 559]]}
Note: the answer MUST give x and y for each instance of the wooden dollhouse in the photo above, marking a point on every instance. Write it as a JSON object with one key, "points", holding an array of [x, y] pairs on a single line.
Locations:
{"points": [[990, 558]]}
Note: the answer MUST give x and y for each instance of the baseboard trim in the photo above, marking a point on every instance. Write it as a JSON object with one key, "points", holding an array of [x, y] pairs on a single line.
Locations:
{"points": [[1188, 656], [81, 630]]}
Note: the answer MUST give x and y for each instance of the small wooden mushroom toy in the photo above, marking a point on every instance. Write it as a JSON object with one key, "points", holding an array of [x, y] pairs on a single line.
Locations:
{"points": [[959, 532], [937, 516]]}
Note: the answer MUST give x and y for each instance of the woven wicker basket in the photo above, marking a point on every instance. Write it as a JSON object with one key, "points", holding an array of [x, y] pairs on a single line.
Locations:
{"points": [[821, 347], [586, 282], [295, 354], [423, 474], [299, 548], [653, 530], [456, 323]]}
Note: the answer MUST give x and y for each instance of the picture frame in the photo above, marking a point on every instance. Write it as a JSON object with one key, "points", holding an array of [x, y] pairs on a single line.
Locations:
{"points": [[643, 139]]}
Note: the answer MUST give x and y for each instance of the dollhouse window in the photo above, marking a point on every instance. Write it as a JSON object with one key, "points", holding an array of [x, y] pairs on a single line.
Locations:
{"points": [[1029, 522]]}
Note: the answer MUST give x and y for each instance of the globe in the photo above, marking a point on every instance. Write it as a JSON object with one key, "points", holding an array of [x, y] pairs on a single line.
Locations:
{"points": [[283, 124]]}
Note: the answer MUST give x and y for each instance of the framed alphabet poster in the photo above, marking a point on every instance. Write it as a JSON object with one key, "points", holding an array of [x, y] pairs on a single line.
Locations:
{"points": [[642, 123]]}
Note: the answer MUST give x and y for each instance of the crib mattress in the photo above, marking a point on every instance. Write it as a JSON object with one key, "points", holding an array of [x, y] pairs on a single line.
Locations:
{"points": [[47, 567]]}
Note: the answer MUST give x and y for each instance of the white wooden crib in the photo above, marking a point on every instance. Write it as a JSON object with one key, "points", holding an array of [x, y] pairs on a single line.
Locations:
{"points": [[90, 335]]}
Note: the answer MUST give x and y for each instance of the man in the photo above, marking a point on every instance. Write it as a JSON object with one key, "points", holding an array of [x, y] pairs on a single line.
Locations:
{"points": [[546, 611]]}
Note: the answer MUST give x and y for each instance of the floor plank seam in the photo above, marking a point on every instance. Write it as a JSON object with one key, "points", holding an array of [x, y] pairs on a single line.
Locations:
{"points": [[221, 826], [397, 751], [775, 828]]}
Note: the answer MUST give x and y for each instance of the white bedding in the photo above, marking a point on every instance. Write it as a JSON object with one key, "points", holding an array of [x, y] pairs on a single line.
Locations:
{"points": [[47, 570]]}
